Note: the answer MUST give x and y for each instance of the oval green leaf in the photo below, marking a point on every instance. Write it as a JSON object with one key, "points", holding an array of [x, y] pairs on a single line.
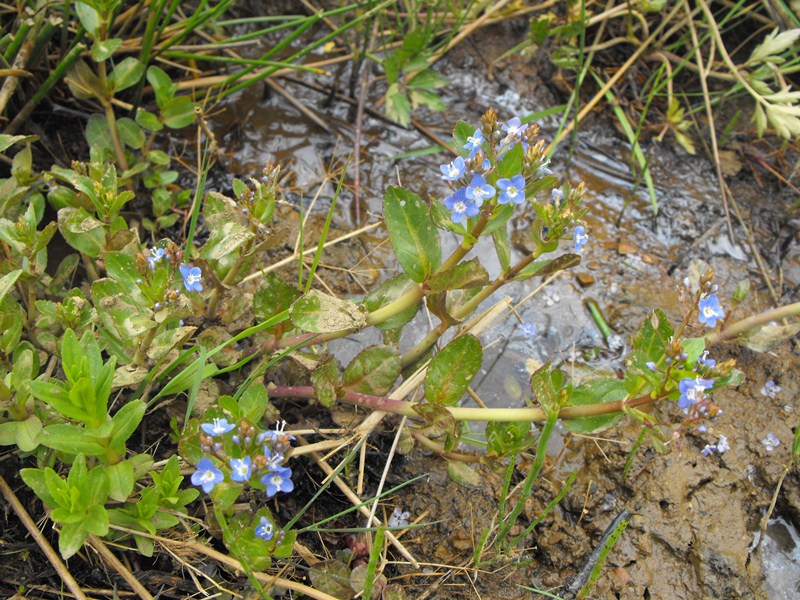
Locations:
{"points": [[319, 313], [373, 371], [414, 238], [452, 370]]}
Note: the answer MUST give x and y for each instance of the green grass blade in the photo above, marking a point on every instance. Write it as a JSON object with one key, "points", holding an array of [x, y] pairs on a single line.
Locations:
{"points": [[325, 228]]}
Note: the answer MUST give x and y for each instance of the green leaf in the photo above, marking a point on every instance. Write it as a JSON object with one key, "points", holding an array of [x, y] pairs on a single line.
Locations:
{"points": [[126, 74], [273, 296], [71, 538], [652, 339], [503, 249], [120, 480], [389, 291], [325, 379], [83, 83], [597, 391], [6, 141], [178, 113], [452, 370], [414, 238], [82, 231], [229, 239], [508, 439], [28, 433], [243, 542], [71, 439], [58, 398], [500, 216], [7, 283], [693, 347], [427, 80], [99, 137], [511, 163], [373, 371], [550, 389], [104, 49], [89, 17], [125, 422], [468, 274], [163, 87], [37, 481], [130, 133], [253, 403], [148, 120], [319, 313], [398, 108]]}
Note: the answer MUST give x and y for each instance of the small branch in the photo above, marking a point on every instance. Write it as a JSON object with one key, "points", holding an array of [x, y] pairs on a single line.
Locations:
{"points": [[44, 545]]}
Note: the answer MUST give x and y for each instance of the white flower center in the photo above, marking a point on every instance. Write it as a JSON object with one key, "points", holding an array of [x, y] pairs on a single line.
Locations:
{"points": [[460, 207]]}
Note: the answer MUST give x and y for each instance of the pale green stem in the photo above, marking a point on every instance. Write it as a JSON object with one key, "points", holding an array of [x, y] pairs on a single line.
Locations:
{"points": [[141, 351], [745, 325]]}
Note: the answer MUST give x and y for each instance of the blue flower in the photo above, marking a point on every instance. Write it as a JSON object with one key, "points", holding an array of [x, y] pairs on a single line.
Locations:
{"points": [[512, 190], [691, 390], [274, 459], [399, 518], [771, 442], [461, 207], [527, 330], [474, 142], [265, 529], [156, 254], [191, 278], [241, 468], [453, 171], [206, 476], [217, 427], [278, 481], [770, 389], [710, 311], [478, 190], [652, 366], [580, 238], [705, 361], [278, 438], [514, 129]]}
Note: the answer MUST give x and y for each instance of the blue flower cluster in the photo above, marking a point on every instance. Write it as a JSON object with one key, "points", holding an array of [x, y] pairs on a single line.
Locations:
{"points": [[473, 176], [264, 465]]}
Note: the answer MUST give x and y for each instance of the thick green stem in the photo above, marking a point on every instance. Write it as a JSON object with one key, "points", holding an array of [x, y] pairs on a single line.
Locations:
{"points": [[141, 351]]}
